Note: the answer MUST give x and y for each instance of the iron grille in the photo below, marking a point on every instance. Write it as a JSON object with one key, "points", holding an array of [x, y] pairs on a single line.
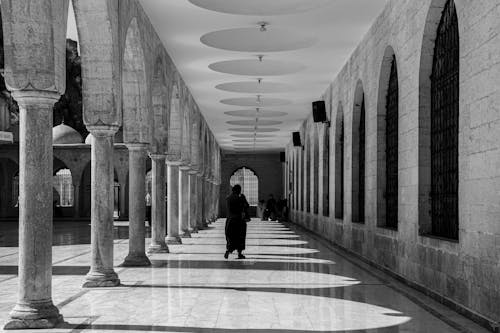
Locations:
{"points": [[361, 170], [326, 174], [308, 179], [444, 126], [391, 152], [342, 157]]}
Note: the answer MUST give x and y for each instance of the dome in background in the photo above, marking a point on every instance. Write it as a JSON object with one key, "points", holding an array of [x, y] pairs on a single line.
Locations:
{"points": [[63, 134], [88, 139]]}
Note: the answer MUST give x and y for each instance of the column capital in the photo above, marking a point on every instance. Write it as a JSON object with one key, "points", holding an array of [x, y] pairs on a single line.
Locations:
{"points": [[184, 167], [157, 157], [100, 131], [193, 172], [135, 146], [23, 96], [173, 163]]}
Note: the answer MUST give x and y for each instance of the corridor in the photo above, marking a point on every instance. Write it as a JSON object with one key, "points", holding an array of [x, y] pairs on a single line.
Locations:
{"points": [[290, 282]]}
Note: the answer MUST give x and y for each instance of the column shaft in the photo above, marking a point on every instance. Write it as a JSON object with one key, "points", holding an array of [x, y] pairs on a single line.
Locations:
{"points": [[101, 272], [34, 308], [173, 203], [200, 201], [137, 206], [193, 202], [158, 228], [184, 195]]}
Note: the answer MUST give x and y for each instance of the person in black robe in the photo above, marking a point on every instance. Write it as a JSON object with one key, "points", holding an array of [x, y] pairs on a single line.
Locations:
{"points": [[236, 226]]}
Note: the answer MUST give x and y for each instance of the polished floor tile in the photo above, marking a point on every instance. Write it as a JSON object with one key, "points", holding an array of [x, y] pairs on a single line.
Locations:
{"points": [[290, 282]]}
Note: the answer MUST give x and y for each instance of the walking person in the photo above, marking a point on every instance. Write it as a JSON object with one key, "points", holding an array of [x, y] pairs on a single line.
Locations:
{"points": [[236, 226]]}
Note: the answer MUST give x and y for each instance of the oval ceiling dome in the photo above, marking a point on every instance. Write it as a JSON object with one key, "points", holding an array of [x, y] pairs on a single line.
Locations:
{"points": [[253, 135], [254, 87], [257, 130], [255, 113], [260, 7], [253, 101], [254, 40], [253, 122], [255, 67]]}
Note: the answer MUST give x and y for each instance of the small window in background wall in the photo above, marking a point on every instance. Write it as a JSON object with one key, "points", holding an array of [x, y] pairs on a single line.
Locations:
{"points": [[249, 183]]}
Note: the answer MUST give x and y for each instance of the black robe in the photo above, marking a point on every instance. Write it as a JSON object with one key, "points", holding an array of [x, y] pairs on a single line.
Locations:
{"points": [[236, 227]]}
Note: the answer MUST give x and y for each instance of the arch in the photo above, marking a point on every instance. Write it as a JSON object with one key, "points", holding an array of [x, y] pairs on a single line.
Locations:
{"points": [[195, 148], [358, 155], [388, 142], [326, 171], [186, 133], [249, 182], [307, 166], [175, 125], [160, 101], [315, 168], [97, 29], [136, 118], [439, 100], [339, 163]]}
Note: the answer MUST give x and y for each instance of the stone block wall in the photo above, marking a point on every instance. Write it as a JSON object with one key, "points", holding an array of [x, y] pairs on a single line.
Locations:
{"points": [[465, 273]]}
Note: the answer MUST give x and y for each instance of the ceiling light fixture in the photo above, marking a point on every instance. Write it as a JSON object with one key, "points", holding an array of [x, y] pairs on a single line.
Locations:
{"points": [[263, 26], [260, 56]]}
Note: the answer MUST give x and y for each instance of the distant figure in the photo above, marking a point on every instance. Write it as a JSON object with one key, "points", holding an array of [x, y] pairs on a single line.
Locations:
{"points": [[271, 208], [148, 208], [236, 227], [261, 206]]}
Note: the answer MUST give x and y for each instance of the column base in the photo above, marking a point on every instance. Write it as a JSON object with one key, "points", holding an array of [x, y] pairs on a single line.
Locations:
{"points": [[158, 248], [173, 240], [34, 316], [194, 230], [101, 280], [186, 234], [136, 260]]}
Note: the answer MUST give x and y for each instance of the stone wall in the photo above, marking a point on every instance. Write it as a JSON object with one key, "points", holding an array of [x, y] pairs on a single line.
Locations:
{"points": [[267, 167], [465, 273]]}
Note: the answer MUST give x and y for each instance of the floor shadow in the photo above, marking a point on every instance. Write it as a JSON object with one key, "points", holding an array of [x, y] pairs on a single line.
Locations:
{"points": [[160, 328], [56, 270]]}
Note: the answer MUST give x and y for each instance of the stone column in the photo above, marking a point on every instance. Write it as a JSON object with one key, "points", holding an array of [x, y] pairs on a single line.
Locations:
{"points": [[184, 195], [193, 202], [34, 308], [101, 272], [204, 202], [158, 227], [137, 206], [173, 203], [199, 201]]}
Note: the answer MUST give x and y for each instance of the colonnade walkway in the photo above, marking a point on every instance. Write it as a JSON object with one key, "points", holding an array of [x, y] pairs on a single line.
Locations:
{"points": [[291, 281]]}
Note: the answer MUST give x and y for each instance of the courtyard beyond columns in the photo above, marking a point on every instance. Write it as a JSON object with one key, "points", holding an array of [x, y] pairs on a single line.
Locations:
{"points": [[290, 282]]}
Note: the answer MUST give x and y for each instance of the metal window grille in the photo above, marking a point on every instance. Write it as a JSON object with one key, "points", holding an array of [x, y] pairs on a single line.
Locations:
{"points": [[361, 169], [391, 149], [249, 184], [308, 179], [444, 126], [326, 174], [339, 208]]}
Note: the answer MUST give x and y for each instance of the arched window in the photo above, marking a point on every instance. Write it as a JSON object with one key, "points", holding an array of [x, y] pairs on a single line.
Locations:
{"points": [[391, 151], [444, 126], [361, 164], [63, 184], [315, 171], [249, 183], [326, 172], [339, 164]]}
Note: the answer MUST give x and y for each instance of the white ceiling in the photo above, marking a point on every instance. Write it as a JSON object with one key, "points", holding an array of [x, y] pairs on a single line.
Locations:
{"points": [[311, 45]]}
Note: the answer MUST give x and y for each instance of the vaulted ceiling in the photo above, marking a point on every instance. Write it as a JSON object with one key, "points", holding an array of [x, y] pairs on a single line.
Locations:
{"points": [[255, 66]]}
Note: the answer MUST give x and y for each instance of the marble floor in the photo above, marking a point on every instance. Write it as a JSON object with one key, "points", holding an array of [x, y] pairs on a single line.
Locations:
{"points": [[291, 281]]}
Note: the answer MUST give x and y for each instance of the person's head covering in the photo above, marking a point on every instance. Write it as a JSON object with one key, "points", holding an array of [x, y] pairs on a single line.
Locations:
{"points": [[236, 189]]}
